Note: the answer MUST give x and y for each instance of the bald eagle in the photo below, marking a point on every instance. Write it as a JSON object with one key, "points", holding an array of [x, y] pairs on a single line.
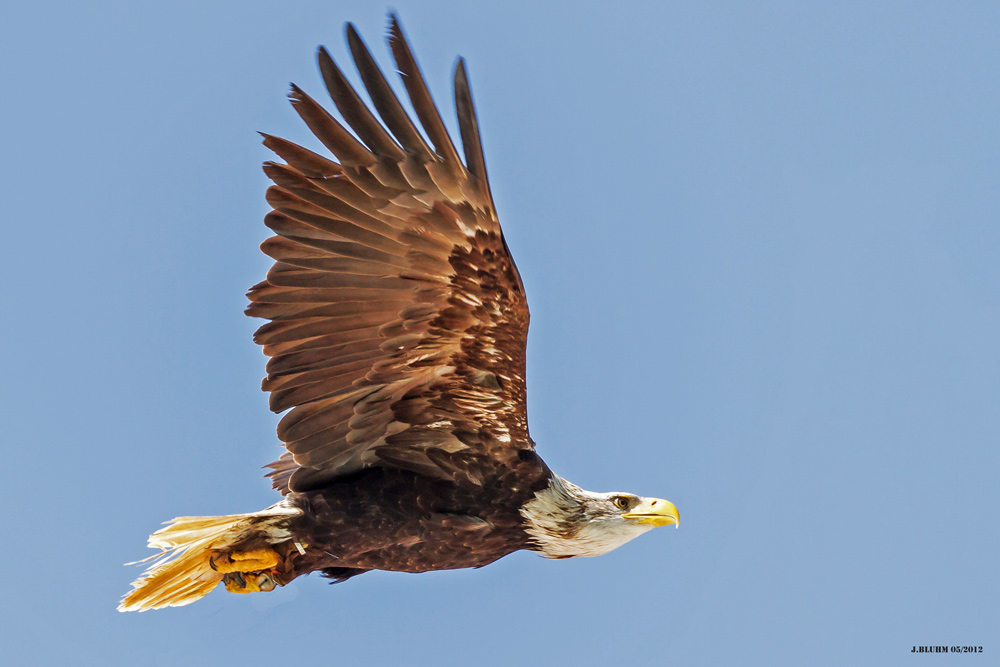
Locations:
{"points": [[396, 344]]}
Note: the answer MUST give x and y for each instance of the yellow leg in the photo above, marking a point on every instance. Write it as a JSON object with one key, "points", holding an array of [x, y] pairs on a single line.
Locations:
{"points": [[254, 560]]}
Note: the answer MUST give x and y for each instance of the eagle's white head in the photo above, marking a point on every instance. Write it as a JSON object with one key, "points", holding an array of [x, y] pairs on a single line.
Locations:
{"points": [[566, 521]]}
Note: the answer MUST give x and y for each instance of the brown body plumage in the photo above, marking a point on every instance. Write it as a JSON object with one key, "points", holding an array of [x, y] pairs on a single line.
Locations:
{"points": [[397, 333], [368, 522]]}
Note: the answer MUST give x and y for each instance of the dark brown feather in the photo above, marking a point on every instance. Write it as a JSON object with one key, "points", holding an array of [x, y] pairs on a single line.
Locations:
{"points": [[341, 143], [310, 164], [421, 99], [384, 99], [354, 111], [468, 126]]}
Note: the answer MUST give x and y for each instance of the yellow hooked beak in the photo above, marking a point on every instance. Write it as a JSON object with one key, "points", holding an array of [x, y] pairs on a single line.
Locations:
{"points": [[654, 511]]}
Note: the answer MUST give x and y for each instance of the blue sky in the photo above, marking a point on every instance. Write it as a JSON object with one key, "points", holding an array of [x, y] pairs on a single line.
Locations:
{"points": [[760, 242]]}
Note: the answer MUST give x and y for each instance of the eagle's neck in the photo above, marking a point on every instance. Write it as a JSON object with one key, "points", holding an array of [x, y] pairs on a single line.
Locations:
{"points": [[565, 520]]}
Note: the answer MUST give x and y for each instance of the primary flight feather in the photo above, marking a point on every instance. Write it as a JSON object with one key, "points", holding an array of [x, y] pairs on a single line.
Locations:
{"points": [[396, 344]]}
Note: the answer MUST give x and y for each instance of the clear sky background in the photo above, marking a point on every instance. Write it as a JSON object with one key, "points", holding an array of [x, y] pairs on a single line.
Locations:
{"points": [[760, 242]]}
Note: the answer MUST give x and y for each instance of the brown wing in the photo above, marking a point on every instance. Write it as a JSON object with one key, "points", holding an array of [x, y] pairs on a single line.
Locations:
{"points": [[398, 320]]}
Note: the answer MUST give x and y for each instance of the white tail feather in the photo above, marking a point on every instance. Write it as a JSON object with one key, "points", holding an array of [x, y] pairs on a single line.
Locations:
{"points": [[182, 572]]}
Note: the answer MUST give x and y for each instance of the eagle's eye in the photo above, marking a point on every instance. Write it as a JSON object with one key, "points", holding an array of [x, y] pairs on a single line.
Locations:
{"points": [[621, 502]]}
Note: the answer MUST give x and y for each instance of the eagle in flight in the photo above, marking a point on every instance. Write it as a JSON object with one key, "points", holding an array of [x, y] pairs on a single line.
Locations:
{"points": [[396, 334]]}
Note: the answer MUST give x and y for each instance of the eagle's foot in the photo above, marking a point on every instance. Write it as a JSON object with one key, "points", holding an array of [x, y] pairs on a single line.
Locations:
{"points": [[254, 560], [252, 582], [252, 571]]}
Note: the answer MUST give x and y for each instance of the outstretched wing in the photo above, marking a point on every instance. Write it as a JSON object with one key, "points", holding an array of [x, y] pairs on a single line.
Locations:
{"points": [[398, 320]]}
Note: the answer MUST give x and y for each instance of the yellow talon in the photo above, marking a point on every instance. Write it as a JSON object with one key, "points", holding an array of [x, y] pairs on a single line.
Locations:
{"points": [[254, 560]]}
